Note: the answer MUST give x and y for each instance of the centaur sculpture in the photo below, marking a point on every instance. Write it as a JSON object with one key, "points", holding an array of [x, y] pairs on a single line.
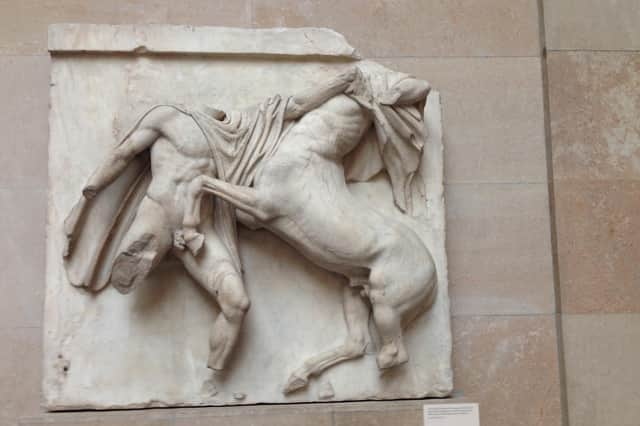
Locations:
{"points": [[279, 165]]}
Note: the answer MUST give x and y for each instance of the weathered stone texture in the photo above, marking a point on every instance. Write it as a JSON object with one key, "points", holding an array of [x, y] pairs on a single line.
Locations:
{"points": [[166, 321], [22, 226], [24, 84], [493, 116], [494, 130], [416, 28], [595, 136], [500, 250], [601, 358], [495, 168], [594, 108], [509, 361], [262, 417], [20, 373], [23, 24], [406, 416], [592, 24], [598, 246]]}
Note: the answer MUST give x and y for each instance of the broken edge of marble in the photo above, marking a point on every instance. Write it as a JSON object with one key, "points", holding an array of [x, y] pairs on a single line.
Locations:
{"points": [[433, 169], [282, 43], [185, 39]]}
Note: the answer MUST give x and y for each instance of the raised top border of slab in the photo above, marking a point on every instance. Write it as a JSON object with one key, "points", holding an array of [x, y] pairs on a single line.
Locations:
{"points": [[199, 40]]}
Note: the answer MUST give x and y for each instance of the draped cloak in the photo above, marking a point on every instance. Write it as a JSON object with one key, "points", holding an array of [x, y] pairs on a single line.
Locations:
{"points": [[239, 144], [400, 135]]}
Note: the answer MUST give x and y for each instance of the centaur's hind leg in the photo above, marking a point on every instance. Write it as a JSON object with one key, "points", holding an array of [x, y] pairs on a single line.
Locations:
{"points": [[400, 288], [356, 314], [213, 269]]}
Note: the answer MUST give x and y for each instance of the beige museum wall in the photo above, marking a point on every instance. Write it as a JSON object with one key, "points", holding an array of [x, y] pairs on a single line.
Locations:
{"points": [[487, 60], [593, 69]]}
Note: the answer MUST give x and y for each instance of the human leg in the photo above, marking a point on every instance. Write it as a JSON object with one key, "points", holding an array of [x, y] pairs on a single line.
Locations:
{"points": [[213, 269]]}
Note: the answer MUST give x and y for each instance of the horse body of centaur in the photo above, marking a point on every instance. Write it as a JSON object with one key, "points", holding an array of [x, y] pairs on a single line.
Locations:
{"points": [[281, 165]]}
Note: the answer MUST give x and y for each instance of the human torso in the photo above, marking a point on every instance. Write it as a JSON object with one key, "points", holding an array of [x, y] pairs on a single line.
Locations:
{"points": [[305, 181], [180, 154]]}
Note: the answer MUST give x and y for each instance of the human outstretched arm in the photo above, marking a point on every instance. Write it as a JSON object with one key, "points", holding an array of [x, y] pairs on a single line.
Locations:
{"points": [[310, 99], [110, 169], [118, 159]]}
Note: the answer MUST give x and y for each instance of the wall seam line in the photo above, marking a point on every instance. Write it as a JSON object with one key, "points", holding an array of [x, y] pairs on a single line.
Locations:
{"points": [[623, 51], [564, 402]]}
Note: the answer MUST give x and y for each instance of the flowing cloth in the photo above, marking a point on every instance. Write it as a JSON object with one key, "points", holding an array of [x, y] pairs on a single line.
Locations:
{"points": [[238, 144], [400, 135], [243, 139]]}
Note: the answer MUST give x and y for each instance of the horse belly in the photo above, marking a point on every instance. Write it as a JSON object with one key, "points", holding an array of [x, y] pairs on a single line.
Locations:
{"points": [[305, 184], [329, 230]]}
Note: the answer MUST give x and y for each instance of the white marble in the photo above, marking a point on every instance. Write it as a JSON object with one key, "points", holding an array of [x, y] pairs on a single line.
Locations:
{"points": [[150, 347], [204, 40]]}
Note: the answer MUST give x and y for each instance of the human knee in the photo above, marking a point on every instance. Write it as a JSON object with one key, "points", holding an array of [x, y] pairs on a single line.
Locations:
{"points": [[236, 307], [241, 303], [232, 297]]}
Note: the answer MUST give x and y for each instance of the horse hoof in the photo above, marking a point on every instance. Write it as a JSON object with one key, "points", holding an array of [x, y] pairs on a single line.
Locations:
{"points": [[384, 362], [390, 356], [294, 383], [208, 389]]}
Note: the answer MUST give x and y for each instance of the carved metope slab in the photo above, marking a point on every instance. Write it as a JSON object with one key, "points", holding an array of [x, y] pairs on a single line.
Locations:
{"points": [[240, 216]]}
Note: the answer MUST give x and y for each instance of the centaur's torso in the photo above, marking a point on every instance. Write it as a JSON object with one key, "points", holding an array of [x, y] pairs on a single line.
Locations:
{"points": [[305, 182]]}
